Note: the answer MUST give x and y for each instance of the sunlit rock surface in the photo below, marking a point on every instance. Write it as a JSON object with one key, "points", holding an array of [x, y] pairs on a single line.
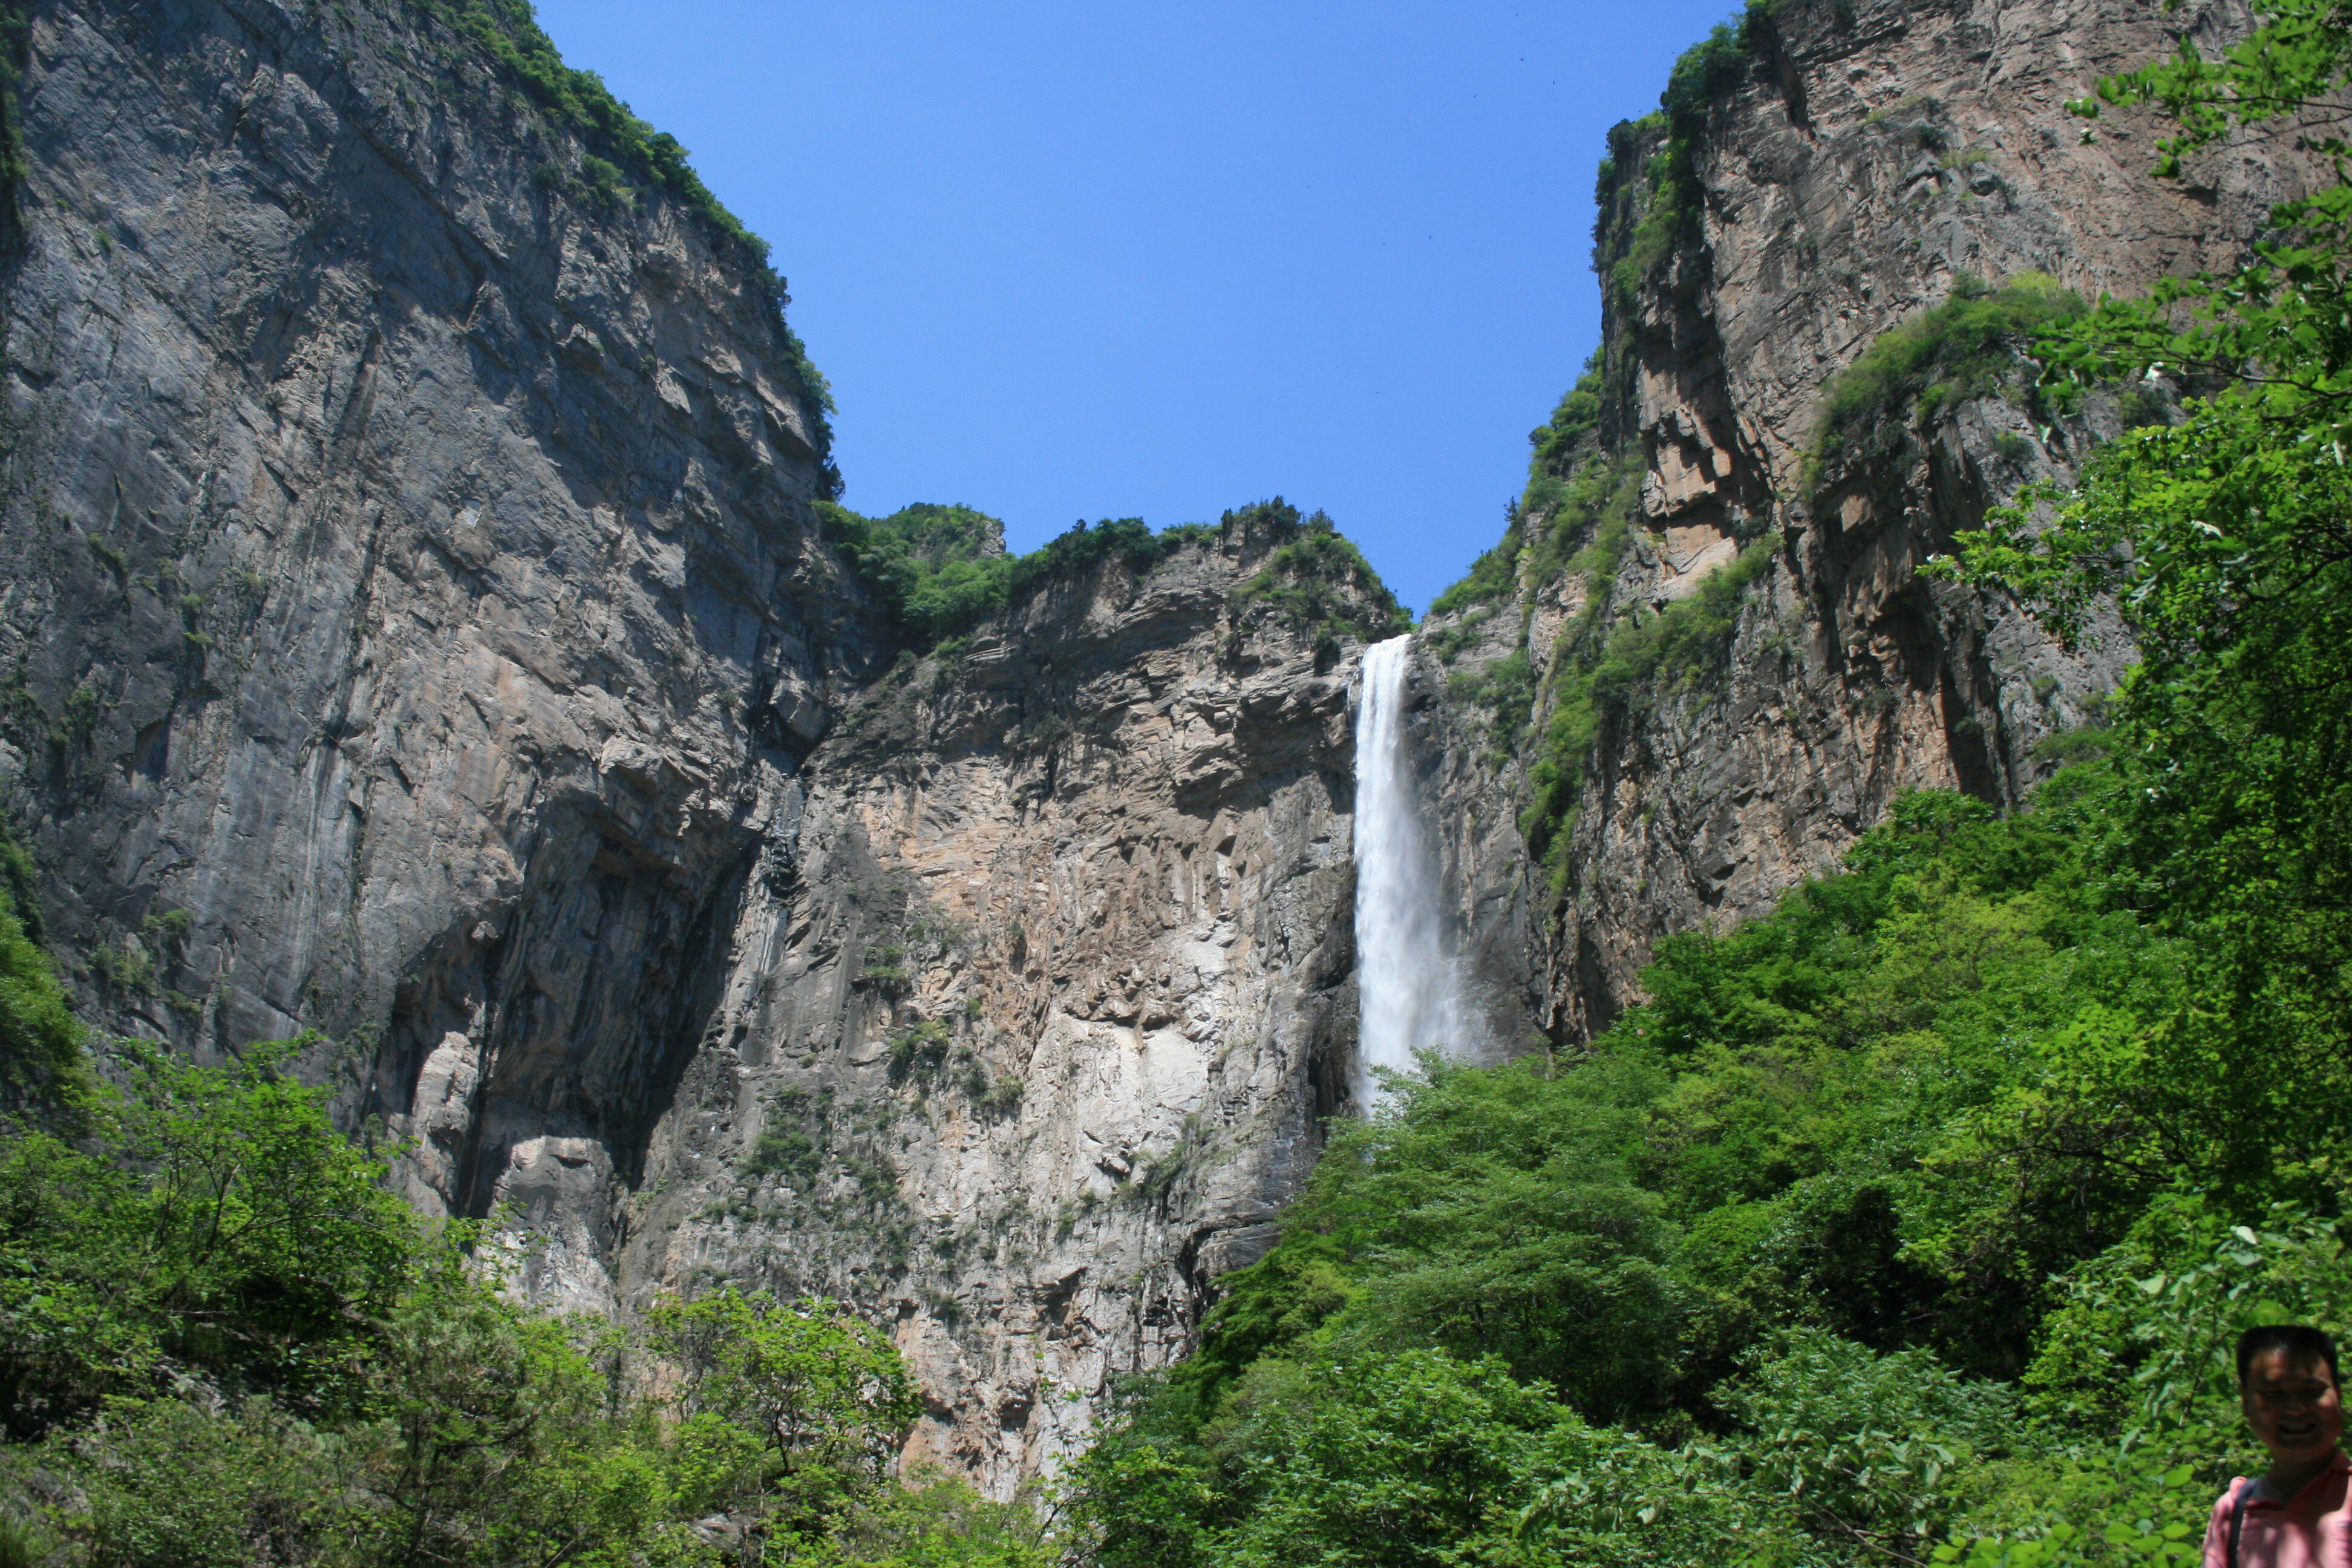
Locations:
{"points": [[1864, 157]]}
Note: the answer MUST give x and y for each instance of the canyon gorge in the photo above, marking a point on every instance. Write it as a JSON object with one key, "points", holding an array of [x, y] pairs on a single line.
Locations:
{"points": [[429, 632]]}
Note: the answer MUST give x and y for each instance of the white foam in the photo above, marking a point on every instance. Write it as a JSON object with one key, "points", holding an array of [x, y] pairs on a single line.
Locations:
{"points": [[1409, 980]]}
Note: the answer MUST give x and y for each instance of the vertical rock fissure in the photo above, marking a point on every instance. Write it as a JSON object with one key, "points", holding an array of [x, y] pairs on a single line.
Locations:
{"points": [[1408, 978]]}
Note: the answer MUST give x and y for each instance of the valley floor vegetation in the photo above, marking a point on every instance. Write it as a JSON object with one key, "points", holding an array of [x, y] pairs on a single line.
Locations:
{"points": [[1913, 1223]]}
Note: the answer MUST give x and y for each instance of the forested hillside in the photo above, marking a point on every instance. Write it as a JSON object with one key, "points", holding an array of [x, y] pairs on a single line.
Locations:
{"points": [[1911, 1222]]}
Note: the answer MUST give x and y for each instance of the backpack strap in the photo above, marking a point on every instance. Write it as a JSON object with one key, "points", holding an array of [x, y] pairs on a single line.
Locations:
{"points": [[2238, 1497]]}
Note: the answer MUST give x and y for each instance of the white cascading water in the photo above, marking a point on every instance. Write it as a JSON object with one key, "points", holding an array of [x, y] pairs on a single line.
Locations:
{"points": [[1408, 978]]}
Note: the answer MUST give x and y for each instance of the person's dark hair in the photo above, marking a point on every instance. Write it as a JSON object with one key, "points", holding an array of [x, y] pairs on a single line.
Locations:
{"points": [[2298, 1340]]}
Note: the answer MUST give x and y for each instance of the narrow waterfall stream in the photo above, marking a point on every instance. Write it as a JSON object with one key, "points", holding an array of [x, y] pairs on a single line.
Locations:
{"points": [[1410, 992]]}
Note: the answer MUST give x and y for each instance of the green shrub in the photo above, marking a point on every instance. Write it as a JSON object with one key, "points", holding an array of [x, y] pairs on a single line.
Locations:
{"points": [[1320, 579], [917, 1052], [42, 1066], [116, 561], [784, 1149], [1972, 345], [942, 570]]}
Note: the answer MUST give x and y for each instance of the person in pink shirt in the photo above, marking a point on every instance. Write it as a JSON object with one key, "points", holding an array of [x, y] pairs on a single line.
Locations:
{"points": [[2295, 1514]]}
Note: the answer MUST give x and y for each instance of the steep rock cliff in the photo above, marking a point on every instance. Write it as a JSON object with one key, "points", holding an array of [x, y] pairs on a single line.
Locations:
{"points": [[1823, 173], [1036, 1004], [413, 604]]}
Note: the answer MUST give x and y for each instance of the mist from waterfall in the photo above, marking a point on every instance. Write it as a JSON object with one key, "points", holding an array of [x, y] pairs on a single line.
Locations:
{"points": [[1409, 980]]}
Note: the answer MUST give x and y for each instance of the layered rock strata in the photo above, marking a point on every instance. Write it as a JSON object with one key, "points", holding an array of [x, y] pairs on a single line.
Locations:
{"points": [[1850, 165], [1043, 989]]}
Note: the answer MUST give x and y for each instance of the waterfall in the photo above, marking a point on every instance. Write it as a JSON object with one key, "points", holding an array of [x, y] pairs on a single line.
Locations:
{"points": [[1409, 983]]}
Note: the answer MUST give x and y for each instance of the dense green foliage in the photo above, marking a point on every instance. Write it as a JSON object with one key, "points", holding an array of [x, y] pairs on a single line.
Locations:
{"points": [[41, 1064], [941, 570], [1559, 443], [224, 1340], [1813, 1232], [1913, 1221]]}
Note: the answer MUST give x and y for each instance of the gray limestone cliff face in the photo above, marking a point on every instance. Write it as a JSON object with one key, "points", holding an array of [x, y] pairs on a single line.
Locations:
{"points": [[1037, 1007], [412, 613], [1852, 165]]}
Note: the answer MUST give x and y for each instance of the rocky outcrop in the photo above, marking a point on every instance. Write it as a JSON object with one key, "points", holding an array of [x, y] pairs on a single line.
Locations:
{"points": [[1043, 989], [414, 613], [1830, 172]]}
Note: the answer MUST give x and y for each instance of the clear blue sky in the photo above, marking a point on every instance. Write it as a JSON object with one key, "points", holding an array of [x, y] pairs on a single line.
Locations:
{"points": [[1067, 260]]}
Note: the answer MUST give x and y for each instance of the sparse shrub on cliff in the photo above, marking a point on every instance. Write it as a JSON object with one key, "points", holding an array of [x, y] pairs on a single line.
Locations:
{"points": [[15, 43], [1669, 208], [1503, 690], [1320, 579], [918, 1051], [1973, 344], [1586, 528], [1000, 1097], [884, 972], [786, 1152], [1562, 440], [621, 149]]}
